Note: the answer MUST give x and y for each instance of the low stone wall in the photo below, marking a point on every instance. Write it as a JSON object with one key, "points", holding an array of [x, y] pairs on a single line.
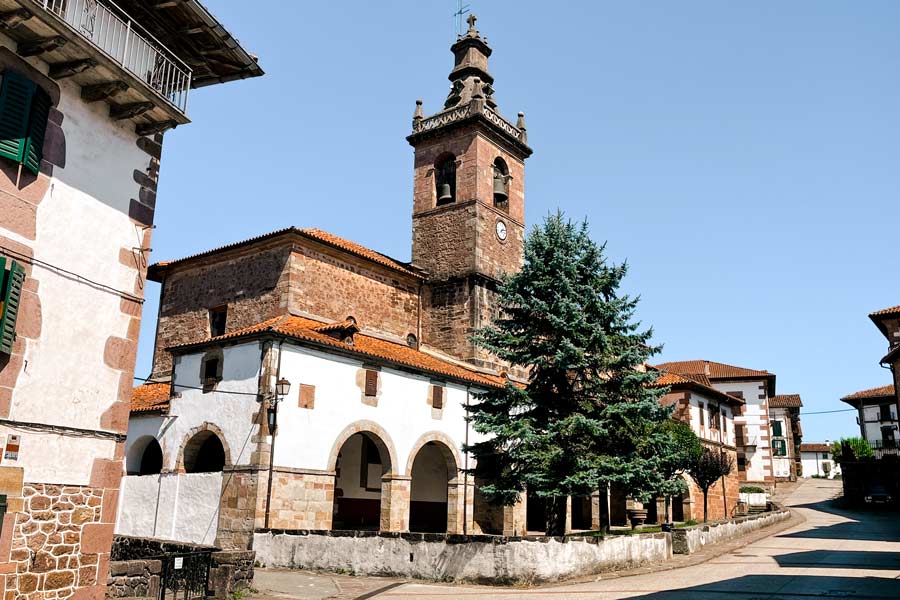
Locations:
{"points": [[126, 548], [692, 539], [230, 572], [133, 579], [439, 557]]}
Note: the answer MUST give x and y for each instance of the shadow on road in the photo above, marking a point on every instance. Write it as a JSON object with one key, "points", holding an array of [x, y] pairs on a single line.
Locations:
{"points": [[773, 587], [840, 559]]}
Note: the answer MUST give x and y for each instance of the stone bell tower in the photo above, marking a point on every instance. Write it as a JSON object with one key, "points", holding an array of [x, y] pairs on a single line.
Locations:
{"points": [[468, 202]]}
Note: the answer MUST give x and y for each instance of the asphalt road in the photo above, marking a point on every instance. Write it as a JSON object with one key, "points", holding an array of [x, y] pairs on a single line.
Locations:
{"points": [[834, 553]]}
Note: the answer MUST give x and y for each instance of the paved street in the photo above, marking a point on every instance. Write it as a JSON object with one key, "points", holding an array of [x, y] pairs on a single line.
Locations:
{"points": [[833, 553]]}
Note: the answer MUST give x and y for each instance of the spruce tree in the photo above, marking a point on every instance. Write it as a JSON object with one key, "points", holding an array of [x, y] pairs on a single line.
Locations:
{"points": [[588, 415]]}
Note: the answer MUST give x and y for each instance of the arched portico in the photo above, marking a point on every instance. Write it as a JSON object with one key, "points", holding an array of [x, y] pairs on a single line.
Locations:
{"points": [[367, 494], [203, 449], [437, 492]]}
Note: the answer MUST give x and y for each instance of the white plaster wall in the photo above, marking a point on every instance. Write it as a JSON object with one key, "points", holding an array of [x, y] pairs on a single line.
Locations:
{"points": [[231, 406], [82, 223], [700, 402], [812, 466], [755, 416], [181, 507], [873, 423], [306, 437]]}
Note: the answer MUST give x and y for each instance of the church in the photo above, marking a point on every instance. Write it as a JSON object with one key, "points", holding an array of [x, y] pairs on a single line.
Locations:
{"points": [[303, 381]]}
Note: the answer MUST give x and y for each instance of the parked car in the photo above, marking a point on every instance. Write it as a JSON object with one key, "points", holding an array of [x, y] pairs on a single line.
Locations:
{"points": [[877, 494]]}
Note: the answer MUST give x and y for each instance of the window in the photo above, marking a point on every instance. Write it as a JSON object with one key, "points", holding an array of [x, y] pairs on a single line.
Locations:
{"points": [[445, 179], [10, 295], [776, 428], [211, 369], [437, 396], [885, 410], [24, 108], [713, 417], [702, 417], [741, 463], [217, 318], [501, 184], [371, 382], [779, 448], [824, 455]]}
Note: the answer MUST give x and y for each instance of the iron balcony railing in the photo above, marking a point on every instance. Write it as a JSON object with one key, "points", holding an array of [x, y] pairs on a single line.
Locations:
{"points": [[123, 40]]}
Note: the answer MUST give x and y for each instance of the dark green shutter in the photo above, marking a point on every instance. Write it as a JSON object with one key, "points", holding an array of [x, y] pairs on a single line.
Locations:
{"points": [[37, 127], [12, 295], [776, 428], [16, 94]]}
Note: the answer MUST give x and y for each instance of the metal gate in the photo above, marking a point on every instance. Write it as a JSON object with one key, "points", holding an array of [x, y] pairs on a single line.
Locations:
{"points": [[184, 576]]}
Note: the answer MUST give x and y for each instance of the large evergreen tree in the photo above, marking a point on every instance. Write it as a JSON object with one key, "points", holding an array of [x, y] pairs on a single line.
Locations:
{"points": [[588, 415]]}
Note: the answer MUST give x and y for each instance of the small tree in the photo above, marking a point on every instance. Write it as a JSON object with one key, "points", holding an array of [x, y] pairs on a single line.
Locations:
{"points": [[588, 412], [681, 448], [857, 446], [707, 468]]}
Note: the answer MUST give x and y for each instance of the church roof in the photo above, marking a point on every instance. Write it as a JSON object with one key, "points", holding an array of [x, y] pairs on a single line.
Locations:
{"points": [[150, 397], [156, 271], [314, 332]]}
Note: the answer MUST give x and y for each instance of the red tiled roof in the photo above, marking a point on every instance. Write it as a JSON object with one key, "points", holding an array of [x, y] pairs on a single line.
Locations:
{"points": [[884, 391], [693, 381], [314, 234], [884, 312], [150, 397], [713, 370], [815, 447], [364, 345], [786, 401]]}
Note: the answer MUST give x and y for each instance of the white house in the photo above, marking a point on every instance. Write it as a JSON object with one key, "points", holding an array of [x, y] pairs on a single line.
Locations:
{"points": [[817, 460]]}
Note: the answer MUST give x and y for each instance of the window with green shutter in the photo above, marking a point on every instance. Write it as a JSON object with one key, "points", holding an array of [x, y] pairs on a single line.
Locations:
{"points": [[24, 108], [776, 428], [10, 295]]}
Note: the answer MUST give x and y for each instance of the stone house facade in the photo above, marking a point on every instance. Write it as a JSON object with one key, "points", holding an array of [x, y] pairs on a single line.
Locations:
{"points": [[784, 423], [711, 415], [752, 427], [81, 125]]}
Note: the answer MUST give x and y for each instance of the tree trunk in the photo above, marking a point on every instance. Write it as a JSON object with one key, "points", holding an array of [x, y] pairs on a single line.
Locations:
{"points": [[556, 515], [705, 494], [668, 504]]}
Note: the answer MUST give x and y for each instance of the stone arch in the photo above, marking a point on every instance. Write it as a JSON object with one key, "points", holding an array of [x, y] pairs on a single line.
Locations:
{"points": [[448, 450], [190, 435], [436, 492], [136, 461], [379, 436]]}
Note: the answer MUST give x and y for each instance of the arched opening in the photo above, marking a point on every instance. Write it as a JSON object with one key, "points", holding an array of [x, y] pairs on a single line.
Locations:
{"points": [[152, 459], [361, 462], [433, 471], [501, 184], [204, 453], [445, 179], [144, 457]]}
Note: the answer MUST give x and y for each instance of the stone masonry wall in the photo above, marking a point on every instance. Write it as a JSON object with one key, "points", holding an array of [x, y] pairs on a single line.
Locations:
{"points": [[715, 507], [250, 282], [301, 500], [60, 543]]}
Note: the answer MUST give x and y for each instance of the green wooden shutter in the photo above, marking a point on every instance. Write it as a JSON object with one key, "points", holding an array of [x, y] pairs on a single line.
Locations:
{"points": [[12, 295], [37, 127], [16, 94], [776, 428]]}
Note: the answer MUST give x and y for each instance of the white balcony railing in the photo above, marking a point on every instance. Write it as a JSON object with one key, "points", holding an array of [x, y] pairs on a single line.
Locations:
{"points": [[123, 40]]}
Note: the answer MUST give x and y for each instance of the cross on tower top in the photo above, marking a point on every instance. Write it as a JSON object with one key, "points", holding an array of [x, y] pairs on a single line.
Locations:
{"points": [[471, 21]]}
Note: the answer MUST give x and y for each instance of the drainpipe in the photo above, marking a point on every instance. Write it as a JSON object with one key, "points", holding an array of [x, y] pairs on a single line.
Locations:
{"points": [[272, 396], [466, 474]]}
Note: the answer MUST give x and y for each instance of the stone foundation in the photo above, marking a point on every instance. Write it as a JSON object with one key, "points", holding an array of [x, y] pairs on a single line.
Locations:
{"points": [[438, 557], [133, 579], [301, 500], [60, 542]]}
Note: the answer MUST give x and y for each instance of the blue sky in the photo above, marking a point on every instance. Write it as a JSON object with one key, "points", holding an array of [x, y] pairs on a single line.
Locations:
{"points": [[741, 156]]}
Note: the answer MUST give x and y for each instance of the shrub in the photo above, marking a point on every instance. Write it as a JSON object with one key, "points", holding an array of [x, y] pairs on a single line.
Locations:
{"points": [[752, 489]]}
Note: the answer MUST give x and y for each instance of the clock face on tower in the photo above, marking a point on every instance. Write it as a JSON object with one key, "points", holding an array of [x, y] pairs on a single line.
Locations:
{"points": [[501, 230]]}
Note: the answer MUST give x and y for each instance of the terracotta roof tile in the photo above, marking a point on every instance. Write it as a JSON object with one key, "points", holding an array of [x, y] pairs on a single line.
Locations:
{"points": [[313, 234], [150, 397], [713, 370], [884, 312], [786, 401], [695, 381], [815, 447], [363, 345], [884, 391]]}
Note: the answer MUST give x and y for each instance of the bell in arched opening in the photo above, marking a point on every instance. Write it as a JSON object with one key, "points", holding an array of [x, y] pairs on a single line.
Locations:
{"points": [[445, 179], [501, 184]]}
